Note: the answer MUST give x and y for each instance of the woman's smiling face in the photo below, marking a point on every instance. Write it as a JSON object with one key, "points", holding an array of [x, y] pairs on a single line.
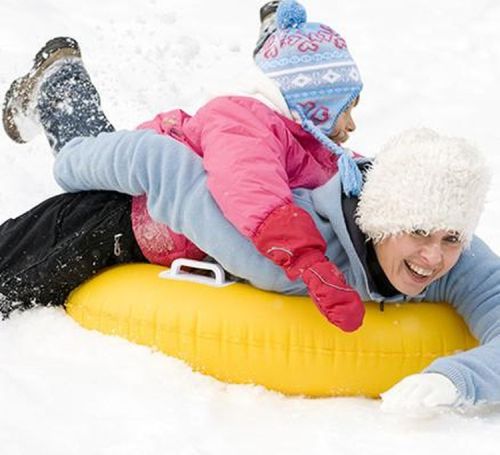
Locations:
{"points": [[413, 261]]}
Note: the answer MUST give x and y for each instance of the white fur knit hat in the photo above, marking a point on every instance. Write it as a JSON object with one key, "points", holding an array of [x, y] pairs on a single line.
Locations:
{"points": [[422, 180]]}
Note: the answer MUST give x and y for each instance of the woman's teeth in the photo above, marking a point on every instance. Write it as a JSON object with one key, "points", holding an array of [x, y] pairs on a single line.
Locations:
{"points": [[424, 273]]}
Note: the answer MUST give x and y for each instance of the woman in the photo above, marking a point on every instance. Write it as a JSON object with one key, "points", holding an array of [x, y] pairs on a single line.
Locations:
{"points": [[408, 237]]}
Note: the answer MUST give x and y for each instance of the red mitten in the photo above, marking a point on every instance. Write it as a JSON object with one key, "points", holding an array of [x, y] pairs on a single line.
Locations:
{"points": [[289, 237], [291, 240], [338, 302]]}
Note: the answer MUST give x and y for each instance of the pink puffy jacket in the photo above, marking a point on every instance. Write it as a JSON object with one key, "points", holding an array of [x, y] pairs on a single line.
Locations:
{"points": [[253, 156]]}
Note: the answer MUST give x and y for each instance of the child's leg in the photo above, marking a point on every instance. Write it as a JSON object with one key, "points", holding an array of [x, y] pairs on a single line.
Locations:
{"points": [[58, 95], [56, 246]]}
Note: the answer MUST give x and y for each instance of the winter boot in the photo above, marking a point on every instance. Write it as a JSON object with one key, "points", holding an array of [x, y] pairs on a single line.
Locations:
{"points": [[19, 101], [267, 23], [56, 95]]}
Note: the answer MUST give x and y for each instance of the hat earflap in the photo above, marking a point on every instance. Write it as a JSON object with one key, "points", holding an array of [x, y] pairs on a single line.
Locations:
{"points": [[350, 175]]}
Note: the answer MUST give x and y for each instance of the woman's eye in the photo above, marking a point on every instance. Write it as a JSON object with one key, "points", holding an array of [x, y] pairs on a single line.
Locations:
{"points": [[420, 233], [453, 237]]}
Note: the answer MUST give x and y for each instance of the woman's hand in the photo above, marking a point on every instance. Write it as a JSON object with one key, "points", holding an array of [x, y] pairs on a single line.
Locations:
{"points": [[419, 393]]}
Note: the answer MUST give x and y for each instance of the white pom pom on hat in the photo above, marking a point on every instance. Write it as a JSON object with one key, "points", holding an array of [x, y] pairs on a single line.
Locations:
{"points": [[423, 180]]}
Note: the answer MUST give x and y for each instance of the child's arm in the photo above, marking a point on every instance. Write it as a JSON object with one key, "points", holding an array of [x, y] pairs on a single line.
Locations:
{"points": [[247, 153], [245, 150]]}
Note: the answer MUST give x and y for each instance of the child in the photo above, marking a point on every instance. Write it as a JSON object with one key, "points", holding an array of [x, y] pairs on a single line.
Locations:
{"points": [[253, 154]]}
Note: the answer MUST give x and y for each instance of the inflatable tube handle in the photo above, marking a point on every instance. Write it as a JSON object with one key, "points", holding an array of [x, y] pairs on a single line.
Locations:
{"points": [[175, 273]]}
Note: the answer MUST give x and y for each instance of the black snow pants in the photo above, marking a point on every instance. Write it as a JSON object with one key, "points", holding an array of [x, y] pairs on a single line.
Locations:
{"points": [[50, 250]]}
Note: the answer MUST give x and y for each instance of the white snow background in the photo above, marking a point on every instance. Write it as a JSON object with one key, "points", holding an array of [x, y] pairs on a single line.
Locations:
{"points": [[65, 390]]}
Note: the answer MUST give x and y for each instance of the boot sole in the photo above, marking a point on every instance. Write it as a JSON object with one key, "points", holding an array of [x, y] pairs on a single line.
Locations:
{"points": [[9, 125], [54, 50]]}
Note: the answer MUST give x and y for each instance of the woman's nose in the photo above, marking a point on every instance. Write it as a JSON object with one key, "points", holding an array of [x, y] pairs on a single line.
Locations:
{"points": [[432, 253]]}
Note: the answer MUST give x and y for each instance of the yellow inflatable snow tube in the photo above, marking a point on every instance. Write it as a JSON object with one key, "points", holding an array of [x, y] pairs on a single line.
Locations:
{"points": [[240, 334]]}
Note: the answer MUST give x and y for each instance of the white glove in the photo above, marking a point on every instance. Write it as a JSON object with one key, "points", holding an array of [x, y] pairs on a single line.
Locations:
{"points": [[419, 393]]}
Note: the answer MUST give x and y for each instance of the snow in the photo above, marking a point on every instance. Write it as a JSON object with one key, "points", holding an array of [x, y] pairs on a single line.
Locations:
{"points": [[65, 390]]}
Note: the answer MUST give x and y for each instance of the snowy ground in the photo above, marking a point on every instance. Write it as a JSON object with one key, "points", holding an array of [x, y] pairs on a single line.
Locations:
{"points": [[64, 390]]}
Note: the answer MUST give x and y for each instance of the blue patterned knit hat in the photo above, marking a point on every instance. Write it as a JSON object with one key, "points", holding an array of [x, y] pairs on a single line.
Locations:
{"points": [[316, 76]]}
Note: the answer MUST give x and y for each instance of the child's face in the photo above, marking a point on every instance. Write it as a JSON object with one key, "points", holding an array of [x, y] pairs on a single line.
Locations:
{"points": [[345, 125]]}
